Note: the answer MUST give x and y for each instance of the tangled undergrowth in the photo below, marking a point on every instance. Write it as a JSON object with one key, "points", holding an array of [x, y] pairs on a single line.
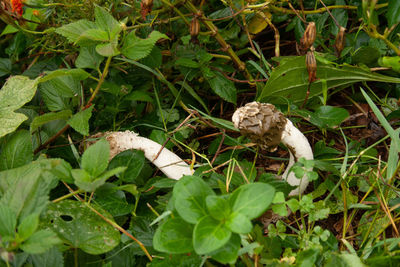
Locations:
{"points": [[175, 72]]}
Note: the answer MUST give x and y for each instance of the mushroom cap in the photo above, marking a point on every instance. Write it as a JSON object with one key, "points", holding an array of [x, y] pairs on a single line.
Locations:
{"points": [[262, 123]]}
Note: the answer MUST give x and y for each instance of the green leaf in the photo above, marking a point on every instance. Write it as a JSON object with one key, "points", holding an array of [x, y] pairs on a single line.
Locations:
{"points": [[252, 199], [366, 55], [90, 183], [187, 62], [328, 116], [88, 58], [5, 66], [28, 226], [218, 207], [108, 49], [174, 236], [95, 35], [17, 91], [8, 221], [307, 257], [134, 160], [209, 235], [105, 20], [344, 260], [51, 258], [80, 121], [190, 194], [239, 223], [136, 48], [393, 12], [17, 150], [229, 252], [390, 62], [223, 87], [76, 74], [154, 59], [80, 227], [40, 242], [290, 79], [49, 117], [73, 30], [95, 158], [113, 200]]}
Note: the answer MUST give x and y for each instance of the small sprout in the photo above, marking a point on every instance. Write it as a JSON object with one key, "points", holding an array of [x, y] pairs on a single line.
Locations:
{"points": [[340, 41]]}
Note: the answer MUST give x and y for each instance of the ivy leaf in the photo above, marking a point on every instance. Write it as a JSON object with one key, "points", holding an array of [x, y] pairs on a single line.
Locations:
{"points": [[80, 121], [136, 48], [17, 91], [174, 236]]}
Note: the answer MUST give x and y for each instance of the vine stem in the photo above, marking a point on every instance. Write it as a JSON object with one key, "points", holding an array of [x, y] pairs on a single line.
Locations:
{"points": [[315, 11], [66, 127]]}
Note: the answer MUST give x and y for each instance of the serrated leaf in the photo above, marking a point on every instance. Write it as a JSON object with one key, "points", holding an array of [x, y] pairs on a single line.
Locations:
{"points": [[80, 227], [80, 121], [174, 236], [73, 30], [88, 58], [105, 21], [8, 221], [109, 49], [223, 87], [51, 258], [48, 117], [40, 242], [28, 226], [17, 151], [290, 79], [17, 91], [136, 48], [5, 66], [77, 74], [95, 158], [209, 235], [393, 12], [94, 35]]}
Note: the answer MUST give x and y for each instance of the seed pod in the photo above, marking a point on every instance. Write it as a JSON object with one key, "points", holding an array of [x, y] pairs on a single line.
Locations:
{"points": [[311, 65], [194, 29], [146, 6], [308, 37], [340, 41]]}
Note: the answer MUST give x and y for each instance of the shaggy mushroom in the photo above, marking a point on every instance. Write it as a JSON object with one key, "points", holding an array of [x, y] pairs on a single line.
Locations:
{"points": [[268, 127], [167, 161]]}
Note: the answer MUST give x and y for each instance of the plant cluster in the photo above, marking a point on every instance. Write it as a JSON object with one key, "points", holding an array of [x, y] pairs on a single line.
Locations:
{"points": [[175, 71]]}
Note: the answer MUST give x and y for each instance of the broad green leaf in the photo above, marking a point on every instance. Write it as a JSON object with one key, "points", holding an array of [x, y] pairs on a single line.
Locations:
{"points": [[344, 260], [393, 12], [136, 48], [290, 79], [366, 55], [139, 96], [5, 66], [390, 62], [134, 160], [73, 30], [48, 117], [307, 257], [105, 20], [28, 226], [95, 35], [80, 121], [95, 158], [17, 150], [40, 242], [154, 59], [190, 194], [26, 189], [187, 62], [341, 16], [239, 223], [223, 87], [218, 207], [17, 91], [252, 199], [113, 200], [209, 235], [8, 221], [51, 258], [77, 74], [174, 236], [88, 58], [90, 183], [328, 116], [80, 227], [109, 49], [229, 252]]}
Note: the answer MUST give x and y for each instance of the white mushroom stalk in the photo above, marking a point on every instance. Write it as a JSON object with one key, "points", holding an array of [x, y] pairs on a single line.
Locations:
{"points": [[167, 161], [268, 127]]}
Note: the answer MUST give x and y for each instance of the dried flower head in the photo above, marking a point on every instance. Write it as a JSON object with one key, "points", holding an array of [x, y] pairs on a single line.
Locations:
{"points": [[311, 65], [308, 37], [194, 29], [340, 41]]}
